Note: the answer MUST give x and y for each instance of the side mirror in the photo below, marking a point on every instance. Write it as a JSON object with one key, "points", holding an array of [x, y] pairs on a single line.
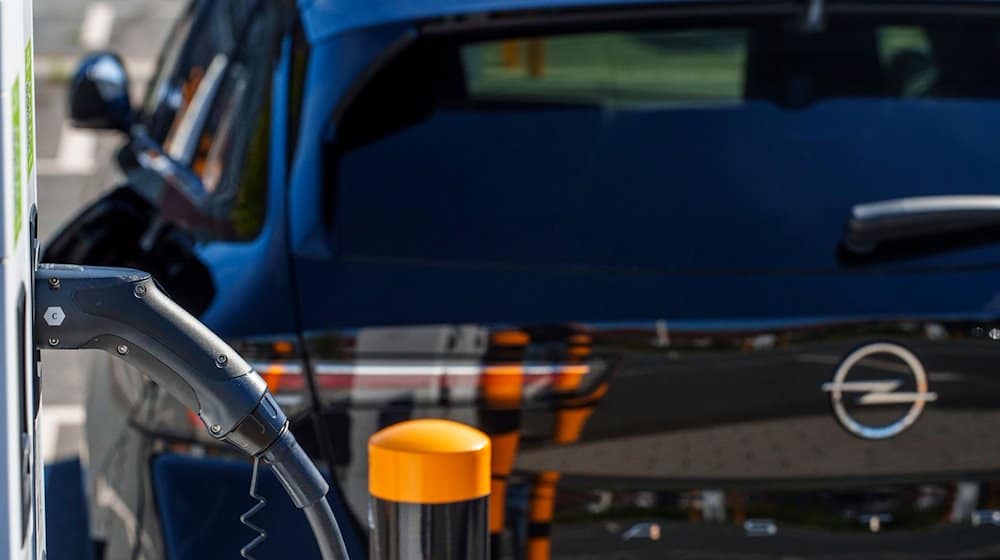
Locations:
{"points": [[98, 94]]}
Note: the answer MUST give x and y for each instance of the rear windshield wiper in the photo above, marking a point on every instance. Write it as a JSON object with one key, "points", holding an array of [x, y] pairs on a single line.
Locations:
{"points": [[921, 224]]}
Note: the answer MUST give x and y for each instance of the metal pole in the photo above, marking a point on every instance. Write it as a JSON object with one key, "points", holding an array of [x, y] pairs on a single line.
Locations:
{"points": [[429, 482]]}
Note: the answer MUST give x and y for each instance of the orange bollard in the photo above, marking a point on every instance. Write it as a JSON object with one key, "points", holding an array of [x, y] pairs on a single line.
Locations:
{"points": [[429, 482]]}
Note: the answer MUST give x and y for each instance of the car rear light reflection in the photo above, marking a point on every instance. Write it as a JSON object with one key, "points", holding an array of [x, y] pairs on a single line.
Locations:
{"points": [[436, 365], [286, 381], [502, 384]]}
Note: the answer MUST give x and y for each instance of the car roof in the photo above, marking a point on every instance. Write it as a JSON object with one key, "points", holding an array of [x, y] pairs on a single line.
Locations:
{"points": [[326, 18]]}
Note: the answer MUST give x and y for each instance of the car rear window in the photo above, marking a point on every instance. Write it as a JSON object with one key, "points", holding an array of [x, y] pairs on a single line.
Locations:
{"points": [[668, 67]]}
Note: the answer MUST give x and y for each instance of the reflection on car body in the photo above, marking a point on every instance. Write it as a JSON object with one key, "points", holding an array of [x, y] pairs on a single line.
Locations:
{"points": [[613, 237]]}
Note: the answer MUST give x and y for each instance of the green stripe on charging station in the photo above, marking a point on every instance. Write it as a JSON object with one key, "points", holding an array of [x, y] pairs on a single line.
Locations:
{"points": [[15, 100], [29, 106]]}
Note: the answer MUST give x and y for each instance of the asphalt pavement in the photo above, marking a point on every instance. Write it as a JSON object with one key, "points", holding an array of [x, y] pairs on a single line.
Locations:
{"points": [[75, 167]]}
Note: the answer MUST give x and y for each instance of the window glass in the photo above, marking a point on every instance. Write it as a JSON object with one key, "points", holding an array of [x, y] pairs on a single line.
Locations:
{"points": [[231, 152], [159, 88], [191, 47], [701, 149], [896, 40], [209, 105], [682, 68], [908, 60]]}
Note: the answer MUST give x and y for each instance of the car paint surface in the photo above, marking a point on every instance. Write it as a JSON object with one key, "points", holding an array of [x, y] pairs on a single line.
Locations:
{"points": [[700, 427]]}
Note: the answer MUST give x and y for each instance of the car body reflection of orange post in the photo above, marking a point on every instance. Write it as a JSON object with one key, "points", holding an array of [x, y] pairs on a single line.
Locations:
{"points": [[510, 54], [536, 57], [500, 418], [528, 52], [571, 416]]}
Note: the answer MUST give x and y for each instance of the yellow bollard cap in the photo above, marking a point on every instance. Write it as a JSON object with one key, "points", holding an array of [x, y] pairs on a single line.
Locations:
{"points": [[429, 461]]}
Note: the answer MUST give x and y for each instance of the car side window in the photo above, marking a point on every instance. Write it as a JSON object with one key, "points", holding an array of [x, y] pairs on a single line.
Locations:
{"points": [[209, 108], [166, 92], [231, 149], [606, 151]]}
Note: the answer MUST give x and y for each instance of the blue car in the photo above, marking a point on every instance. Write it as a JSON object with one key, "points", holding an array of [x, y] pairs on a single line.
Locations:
{"points": [[719, 279]]}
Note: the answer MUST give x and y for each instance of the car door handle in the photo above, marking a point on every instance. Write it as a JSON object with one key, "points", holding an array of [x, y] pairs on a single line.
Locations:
{"points": [[875, 223]]}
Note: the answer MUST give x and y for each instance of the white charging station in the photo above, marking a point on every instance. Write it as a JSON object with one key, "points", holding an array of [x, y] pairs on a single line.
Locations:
{"points": [[22, 532]]}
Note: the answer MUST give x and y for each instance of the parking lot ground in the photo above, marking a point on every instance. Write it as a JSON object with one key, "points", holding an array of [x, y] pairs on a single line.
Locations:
{"points": [[75, 167]]}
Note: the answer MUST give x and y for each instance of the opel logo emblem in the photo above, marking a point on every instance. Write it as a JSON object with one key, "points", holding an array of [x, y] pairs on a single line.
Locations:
{"points": [[874, 392]]}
